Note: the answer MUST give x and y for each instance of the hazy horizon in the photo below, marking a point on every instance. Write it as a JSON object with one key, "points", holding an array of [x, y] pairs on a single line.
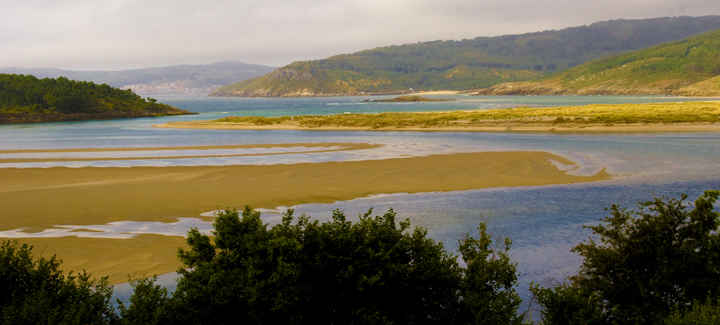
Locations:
{"points": [[85, 35]]}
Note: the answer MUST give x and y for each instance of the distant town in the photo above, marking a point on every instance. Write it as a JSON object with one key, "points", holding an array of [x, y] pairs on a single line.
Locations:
{"points": [[169, 87]]}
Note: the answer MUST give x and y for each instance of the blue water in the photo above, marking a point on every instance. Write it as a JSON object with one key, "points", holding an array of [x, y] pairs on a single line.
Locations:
{"points": [[544, 222]]}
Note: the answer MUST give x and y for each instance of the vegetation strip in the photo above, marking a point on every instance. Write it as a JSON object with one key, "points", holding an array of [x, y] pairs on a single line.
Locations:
{"points": [[577, 117]]}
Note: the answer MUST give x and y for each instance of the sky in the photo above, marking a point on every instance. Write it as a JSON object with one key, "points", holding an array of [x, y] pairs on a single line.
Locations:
{"points": [[127, 34]]}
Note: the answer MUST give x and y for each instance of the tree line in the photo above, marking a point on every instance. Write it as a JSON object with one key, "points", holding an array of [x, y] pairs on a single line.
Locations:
{"points": [[21, 94], [658, 264]]}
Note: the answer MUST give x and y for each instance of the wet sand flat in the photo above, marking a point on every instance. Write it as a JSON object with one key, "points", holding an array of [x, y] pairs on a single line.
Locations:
{"points": [[347, 146], [142, 256], [38, 198], [318, 147]]}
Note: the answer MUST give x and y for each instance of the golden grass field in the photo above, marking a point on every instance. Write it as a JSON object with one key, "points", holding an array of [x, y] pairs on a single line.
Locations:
{"points": [[39, 198], [656, 117]]}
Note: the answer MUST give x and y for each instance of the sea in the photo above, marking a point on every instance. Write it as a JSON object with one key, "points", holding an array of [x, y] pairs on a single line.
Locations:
{"points": [[543, 222]]}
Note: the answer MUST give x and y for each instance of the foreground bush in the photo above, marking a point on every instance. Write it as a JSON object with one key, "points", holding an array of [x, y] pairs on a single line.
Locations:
{"points": [[706, 313], [649, 263], [36, 292], [339, 272]]}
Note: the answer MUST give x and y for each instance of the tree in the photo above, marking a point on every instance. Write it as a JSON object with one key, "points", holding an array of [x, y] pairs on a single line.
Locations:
{"points": [[648, 263], [375, 271], [148, 303], [36, 292], [705, 313]]}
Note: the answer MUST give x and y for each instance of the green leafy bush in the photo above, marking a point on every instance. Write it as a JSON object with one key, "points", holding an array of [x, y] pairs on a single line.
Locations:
{"points": [[706, 313], [649, 263], [375, 271], [36, 292]]}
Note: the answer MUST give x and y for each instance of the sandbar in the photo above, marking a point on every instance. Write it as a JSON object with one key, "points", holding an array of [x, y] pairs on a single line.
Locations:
{"points": [[506, 127], [38, 198], [695, 116], [326, 147], [350, 145]]}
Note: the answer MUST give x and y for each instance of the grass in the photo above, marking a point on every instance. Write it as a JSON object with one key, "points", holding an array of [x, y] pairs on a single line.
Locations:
{"points": [[657, 113]]}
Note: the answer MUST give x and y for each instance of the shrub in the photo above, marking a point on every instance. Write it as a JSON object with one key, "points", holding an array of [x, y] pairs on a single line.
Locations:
{"points": [[36, 292], [648, 263], [375, 271]]}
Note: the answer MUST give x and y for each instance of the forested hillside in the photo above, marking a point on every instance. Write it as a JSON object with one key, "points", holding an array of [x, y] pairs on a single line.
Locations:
{"points": [[29, 99], [467, 64], [686, 67]]}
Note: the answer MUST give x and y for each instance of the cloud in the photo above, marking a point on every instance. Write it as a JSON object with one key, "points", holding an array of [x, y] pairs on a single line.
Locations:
{"points": [[100, 34]]}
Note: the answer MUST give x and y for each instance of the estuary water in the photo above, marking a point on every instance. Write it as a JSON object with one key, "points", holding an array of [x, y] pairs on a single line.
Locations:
{"points": [[544, 222]]}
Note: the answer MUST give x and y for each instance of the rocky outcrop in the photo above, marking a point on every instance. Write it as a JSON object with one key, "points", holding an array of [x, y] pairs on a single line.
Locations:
{"points": [[705, 88], [289, 74]]}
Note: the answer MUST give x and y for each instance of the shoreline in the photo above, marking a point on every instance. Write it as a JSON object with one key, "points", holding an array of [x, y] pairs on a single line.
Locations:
{"points": [[508, 127], [96, 196]]}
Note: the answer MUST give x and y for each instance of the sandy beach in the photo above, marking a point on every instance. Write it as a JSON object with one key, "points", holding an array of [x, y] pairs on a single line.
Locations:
{"points": [[38, 198]]}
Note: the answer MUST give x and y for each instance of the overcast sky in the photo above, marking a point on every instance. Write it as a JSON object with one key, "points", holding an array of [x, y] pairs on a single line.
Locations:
{"points": [[124, 34]]}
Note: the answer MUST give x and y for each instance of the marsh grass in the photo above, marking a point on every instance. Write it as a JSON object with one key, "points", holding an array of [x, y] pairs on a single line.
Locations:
{"points": [[656, 113]]}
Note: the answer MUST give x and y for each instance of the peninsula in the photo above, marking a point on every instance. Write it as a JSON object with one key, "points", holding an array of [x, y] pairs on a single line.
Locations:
{"points": [[27, 99]]}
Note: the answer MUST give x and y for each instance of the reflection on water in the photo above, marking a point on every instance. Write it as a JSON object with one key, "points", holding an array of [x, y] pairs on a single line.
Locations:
{"points": [[117, 229], [161, 153], [544, 222]]}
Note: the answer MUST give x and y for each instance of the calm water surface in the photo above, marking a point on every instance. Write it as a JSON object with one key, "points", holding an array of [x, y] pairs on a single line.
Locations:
{"points": [[543, 222]]}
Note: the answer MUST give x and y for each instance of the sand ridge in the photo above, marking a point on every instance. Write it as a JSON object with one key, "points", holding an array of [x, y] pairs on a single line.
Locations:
{"points": [[510, 127], [39, 198], [328, 148]]}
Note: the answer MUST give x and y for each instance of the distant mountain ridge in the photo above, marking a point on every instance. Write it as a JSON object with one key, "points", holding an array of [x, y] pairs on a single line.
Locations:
{"points": [[174, 78], [689, 67], [467, 64]]}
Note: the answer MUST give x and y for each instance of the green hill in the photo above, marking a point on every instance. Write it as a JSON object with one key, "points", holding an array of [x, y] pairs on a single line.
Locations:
{"points": [[467, 64], [686, 67], [25, 99]]}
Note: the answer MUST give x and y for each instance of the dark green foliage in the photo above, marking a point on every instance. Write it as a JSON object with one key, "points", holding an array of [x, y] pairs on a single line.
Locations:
{"points": [[649, 262], [568, 304], [147, 303], [707, 313], [485, 289], [26, 95], [36, 292], [371, 272]]}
